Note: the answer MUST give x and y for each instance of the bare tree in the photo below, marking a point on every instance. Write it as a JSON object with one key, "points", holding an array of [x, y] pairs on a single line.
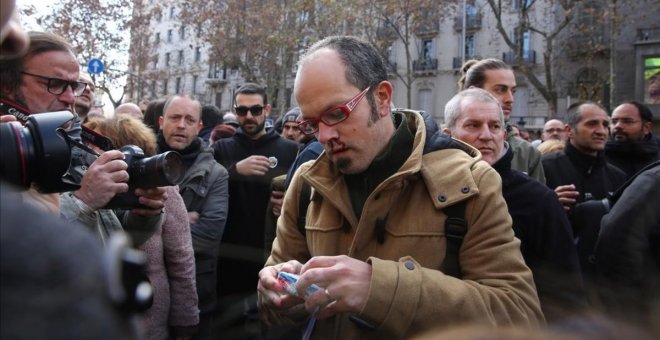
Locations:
{"points": [[566, 11], [385, 22], [95, 29]]}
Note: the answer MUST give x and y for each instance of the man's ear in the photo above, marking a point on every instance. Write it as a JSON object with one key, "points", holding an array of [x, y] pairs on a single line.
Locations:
{"points": [[446, 131], [569, 130], [161, 119], [200, 126], [383, 94], [267, 110], [646, 127]]}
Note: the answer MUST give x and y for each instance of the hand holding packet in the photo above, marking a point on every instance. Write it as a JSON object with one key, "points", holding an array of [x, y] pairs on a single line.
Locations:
{"points": [[289, 281]]}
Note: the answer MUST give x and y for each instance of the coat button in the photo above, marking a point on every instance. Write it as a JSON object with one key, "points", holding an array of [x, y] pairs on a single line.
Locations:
{"points": [[465, 189], [442, 198], [409, 265]]}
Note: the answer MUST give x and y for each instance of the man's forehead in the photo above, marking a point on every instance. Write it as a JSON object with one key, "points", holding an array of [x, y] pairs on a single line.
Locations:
{"points": [[183, 106], [625, 109], [54, 63]]}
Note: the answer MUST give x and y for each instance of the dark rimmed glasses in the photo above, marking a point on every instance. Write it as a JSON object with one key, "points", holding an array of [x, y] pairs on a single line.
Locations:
{"points": [[255, 110], [58, 86], [333, 116]]}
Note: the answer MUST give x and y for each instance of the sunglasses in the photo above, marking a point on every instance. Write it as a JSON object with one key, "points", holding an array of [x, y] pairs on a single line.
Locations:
{"points": [[255, 110], [58, 86]]}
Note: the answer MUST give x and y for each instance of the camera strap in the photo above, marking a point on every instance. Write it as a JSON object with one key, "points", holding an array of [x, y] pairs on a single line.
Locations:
{"points": [[8, 107]]}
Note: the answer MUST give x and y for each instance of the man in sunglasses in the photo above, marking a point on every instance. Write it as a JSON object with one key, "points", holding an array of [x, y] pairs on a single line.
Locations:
{"points": [[253, 158], [46, 79], [374, 242]]}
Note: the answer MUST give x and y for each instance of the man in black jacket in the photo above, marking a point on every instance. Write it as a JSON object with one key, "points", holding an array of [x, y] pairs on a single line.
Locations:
{"points": [[632, 146], [580, 173], [253, 158], [475, 117]]}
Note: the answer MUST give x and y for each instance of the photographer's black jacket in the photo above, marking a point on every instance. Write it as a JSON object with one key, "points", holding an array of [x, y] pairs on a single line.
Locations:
{"points": [[593, 177], [546, 240], [632, 156]]}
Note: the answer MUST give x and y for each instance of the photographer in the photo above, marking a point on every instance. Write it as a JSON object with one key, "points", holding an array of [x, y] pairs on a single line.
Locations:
{"points": [[45, 79]]}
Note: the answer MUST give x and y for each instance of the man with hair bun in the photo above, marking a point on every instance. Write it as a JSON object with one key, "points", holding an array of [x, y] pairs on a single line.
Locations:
{"points": [[497, 77]]}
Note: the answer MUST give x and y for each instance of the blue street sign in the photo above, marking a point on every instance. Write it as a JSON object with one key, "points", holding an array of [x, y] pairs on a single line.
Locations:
{"points": [[95, 66]]}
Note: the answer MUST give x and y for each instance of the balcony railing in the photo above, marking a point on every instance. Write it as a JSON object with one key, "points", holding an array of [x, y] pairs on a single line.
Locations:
{"points": [[425, 65], [428, 27], [457, 62], [527, 58], [644, 34], [472, 23]]}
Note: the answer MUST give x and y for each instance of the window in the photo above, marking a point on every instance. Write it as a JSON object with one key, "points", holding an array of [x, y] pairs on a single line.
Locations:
{"points": [[169, 36], [153, 88], [427, 49], [198, 54], [180, 61], [177, 85], [165, 87], [652, 80], [155, 61], [470, 49], [157, 38], [194, 84], [426, 101], [182, 32], [198, 30], [218, 99], [525, 45], [522, 4], [167, 59], [171, 12]]}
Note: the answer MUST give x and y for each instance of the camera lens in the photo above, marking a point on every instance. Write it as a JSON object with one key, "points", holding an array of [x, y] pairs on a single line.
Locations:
{"points": [[17, 155], [37, 152], [159, 170]]}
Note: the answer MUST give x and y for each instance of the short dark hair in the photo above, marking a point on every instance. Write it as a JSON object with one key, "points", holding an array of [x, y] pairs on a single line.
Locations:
{"points": [[152, 113], [40, 42], [474, 72], [364, 64], [573, 114], [211, 115], [644, 112], [252, 88]]}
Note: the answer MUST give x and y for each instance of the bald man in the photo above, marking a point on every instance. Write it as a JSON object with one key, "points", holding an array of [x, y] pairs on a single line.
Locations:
{"points": [[554, 129], [130, 109]]}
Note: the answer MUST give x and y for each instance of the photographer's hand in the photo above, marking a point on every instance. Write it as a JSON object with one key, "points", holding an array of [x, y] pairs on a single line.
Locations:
{"points": [[567, 195], [153, 198], [7, 119], [105, 178]]}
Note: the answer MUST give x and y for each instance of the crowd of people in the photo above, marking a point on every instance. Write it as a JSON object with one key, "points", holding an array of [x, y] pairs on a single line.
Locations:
{"points": [[393, 226]]}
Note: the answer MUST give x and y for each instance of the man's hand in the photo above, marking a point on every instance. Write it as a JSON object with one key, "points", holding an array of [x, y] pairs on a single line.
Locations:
{"points": [[105, 178], [567, 195], [273, 298], [276, 199], [153, 198], [344, 281], [253, 166], [193, 217]]}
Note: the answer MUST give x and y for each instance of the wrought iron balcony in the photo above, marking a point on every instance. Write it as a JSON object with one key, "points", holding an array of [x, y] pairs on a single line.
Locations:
{"points": [[425, 65], [528, 58], [472, 23]]}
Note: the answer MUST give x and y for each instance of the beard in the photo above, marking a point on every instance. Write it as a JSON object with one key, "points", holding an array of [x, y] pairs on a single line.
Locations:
{"points": [[252, 131]]}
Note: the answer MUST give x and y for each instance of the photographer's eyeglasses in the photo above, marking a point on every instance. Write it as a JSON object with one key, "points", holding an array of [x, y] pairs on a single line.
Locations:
{"points": [[255, 110], [58, 86], [333, 116]]}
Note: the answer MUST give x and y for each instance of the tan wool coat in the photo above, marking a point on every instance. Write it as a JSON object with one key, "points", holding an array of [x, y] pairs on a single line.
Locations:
{"points": [[409, 294]]}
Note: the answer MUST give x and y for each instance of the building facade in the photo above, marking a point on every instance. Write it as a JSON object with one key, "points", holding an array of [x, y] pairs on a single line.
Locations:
{"points": [[579, 63]]}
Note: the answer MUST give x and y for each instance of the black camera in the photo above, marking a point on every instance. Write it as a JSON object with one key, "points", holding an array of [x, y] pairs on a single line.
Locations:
{"points": [[164, 169], [37, 152], [585, 218]]}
